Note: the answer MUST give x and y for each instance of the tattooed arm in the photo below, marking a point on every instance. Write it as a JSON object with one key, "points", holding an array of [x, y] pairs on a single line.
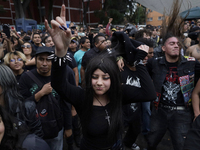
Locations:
{"points": [[189, 51]]}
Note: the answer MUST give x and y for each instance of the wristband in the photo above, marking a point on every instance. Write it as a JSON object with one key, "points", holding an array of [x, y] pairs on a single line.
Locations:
{"points": [[60, 59]]}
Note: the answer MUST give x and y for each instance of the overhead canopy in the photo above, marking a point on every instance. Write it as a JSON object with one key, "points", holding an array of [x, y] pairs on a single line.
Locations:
{"points": [[194, 13], [161, 5]]}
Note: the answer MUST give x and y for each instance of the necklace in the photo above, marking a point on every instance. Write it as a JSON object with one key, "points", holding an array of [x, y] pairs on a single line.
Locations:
{"points": [[107, 117]]}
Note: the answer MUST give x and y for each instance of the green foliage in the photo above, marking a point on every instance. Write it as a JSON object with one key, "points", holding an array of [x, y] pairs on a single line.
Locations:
{"points": [[136, 14], [112, 9], [121, 10]]}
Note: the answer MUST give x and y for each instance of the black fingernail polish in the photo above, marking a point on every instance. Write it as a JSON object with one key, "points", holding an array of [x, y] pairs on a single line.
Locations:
{"points": [[61, 28], [64, 27]]}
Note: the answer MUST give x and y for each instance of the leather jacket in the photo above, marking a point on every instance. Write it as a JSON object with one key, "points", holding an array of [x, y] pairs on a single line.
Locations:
{"points": [[157, 68]]}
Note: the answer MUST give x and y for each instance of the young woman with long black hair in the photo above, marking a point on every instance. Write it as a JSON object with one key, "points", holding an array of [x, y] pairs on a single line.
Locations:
{"points": [[99, 105]]}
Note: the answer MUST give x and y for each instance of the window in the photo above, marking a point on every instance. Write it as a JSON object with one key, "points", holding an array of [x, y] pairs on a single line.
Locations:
{"points": [[160, 18], [150, 19]]}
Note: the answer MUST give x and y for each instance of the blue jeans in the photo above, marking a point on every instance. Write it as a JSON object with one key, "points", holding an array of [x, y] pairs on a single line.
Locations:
{"points": [[57, 142], [146, 114], [178, 122], [33, 142]]}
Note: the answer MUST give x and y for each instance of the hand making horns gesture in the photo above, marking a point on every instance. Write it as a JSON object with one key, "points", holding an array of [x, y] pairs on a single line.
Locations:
{"points": [[60, 34]]}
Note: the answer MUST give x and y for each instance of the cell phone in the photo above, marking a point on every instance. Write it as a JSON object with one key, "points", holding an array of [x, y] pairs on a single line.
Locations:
{"points": [[6, 30]]}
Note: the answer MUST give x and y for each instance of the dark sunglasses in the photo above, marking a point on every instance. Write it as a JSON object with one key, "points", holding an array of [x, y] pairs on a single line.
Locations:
{"points": [[26, 46], [15, 60]]}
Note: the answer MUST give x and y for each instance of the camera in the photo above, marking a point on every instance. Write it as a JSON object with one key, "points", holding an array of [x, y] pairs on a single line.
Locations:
{"points": [[6, 30]]}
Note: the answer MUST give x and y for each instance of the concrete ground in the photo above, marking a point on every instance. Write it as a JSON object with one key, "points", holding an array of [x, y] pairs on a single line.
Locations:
{"points": [[165, 144]]}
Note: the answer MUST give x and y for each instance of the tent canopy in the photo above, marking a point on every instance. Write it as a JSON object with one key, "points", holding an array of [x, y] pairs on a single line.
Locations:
{"points": [[193, 14], [161, 5]]}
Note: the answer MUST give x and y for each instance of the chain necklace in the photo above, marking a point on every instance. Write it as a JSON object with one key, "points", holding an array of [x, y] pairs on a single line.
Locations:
{"points": [[107, 117]]}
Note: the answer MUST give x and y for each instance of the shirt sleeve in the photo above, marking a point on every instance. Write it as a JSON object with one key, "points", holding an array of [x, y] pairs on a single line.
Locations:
{"points": [[146, 92], [67, 91]]}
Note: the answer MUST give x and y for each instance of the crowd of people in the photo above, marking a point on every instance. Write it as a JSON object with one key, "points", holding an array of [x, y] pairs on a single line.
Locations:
{"points": [[100, 87]]}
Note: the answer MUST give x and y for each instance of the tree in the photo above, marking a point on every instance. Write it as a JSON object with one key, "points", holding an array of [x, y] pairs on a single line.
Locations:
{"points": [[20, 7], [135, 13], [85, 10], [2, 8], [112, 9]]}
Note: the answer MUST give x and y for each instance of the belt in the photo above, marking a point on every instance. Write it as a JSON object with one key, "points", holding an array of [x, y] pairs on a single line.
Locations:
{"points": [[173, 107]]}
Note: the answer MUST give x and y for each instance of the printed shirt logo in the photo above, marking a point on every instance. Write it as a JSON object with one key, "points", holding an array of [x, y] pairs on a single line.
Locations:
{"points": [[133, 82], [35, 87], [133, 106], [171, 86], [43, 113]]}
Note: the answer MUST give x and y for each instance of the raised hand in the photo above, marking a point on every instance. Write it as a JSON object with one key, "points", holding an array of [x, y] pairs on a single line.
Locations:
{"points": [[61, 35], [144, 48], [110, 20]]}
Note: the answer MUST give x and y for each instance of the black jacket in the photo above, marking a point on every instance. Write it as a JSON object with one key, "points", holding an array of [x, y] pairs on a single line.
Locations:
{"points": [[157, 68], [25, 116]]}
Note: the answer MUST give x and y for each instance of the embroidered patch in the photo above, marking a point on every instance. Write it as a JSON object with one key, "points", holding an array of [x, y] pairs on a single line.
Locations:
{"points": [[190, 59]]}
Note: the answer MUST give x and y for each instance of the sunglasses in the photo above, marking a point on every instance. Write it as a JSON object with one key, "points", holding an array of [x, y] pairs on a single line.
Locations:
{"points": [[26, 46], [15, 60]]}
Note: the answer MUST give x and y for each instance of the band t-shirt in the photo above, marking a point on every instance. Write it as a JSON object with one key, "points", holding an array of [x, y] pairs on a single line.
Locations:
{"points": [[171, 91]]}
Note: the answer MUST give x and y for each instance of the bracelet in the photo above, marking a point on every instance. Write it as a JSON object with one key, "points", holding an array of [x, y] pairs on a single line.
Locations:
{"points": [[118, 58], [60, 59]]}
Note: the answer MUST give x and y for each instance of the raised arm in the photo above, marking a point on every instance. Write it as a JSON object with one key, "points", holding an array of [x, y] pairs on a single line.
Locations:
{"points": [[147, 91], [60, 34]]}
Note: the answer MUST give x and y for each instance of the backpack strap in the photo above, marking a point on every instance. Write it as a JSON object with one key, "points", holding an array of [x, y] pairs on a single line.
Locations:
{"points": [[35, 79], [39, 83]]}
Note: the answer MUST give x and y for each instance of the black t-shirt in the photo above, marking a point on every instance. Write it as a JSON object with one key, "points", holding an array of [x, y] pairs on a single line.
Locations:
{"points": [[72, 64], [171, 91], [131, 78], [29, 88], [89, 55], [19, 76]]}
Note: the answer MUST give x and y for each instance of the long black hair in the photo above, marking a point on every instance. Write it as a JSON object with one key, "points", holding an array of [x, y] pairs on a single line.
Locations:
{"points": [[33, 49], [107, 64]]}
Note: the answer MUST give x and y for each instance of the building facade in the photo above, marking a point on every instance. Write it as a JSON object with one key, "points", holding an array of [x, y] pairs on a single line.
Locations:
{"points": [[39, 9], [154, 18]]}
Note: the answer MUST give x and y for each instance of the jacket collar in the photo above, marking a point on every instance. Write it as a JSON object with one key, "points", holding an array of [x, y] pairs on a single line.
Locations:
{"points": [[96, 49], [182, 60]]}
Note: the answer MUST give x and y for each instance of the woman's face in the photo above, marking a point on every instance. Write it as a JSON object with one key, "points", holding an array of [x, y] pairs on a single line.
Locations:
{"points": [[100, 82], [2, 129], [16, 63], [15, 41], [27, 49]]}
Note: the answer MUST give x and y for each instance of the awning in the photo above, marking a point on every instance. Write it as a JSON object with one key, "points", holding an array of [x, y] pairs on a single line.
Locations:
{"points": [[193, 14], [161, 5]]}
